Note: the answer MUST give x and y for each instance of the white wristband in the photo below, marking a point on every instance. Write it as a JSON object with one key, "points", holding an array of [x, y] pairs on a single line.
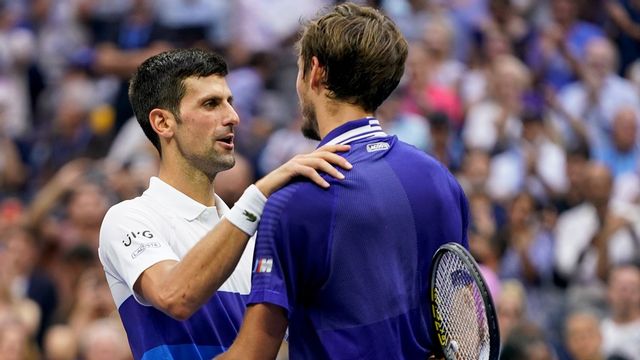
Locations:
{"points": [[246, 212]]}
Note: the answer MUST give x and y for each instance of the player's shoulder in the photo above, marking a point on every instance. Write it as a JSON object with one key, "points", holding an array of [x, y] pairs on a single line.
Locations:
{"points": [[299, 198], [127, 208], [139, 211], [409, 155]]}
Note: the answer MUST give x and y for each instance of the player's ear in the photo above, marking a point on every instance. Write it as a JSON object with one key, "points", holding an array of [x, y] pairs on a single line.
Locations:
{"points": [[163, 122], [316, 74]]}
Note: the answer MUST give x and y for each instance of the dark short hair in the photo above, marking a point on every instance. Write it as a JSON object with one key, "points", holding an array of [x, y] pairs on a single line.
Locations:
{"points": [[159, 82], [362, 51]]}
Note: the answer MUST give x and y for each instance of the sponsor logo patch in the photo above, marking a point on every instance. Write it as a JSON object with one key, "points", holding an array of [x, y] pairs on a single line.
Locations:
{"points": [[135, 234], [263, 265], [379, 146], [144, 247], [250, 216]]}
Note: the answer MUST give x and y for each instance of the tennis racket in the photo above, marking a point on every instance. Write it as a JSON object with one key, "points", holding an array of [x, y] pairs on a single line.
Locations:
{"points": [[464, 318]]}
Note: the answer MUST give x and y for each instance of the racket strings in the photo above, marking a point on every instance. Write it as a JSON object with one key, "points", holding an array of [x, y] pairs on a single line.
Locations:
{"points": [[462, 308]]}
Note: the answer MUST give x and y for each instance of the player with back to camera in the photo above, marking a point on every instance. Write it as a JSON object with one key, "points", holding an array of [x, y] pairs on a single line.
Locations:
{"points": [[177, 260], [347, 268]]}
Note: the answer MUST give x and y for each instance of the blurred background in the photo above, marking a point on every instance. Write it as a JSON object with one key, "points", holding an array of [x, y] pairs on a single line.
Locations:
{"points": [[533, 105]]}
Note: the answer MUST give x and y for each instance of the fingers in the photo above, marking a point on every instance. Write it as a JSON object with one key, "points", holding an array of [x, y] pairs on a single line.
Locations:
{"points": [[320, 164], [314, 176], [323, 159], [334, 148], [331, 158]]}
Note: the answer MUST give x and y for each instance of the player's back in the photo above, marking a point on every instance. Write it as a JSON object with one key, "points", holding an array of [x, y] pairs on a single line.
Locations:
{"points": [[359, 262]]}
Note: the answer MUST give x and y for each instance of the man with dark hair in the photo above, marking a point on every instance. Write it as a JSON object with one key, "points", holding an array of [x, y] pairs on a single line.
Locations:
{"points": [[176, 258], [347, 268]]}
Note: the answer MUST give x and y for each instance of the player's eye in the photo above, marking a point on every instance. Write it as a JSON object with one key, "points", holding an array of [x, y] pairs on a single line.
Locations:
{"points": [[212, 103]]}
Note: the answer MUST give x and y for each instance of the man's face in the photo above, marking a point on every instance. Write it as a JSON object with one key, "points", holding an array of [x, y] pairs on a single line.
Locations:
{"points": [[625, 130], [309, 120], [204, 133], [583, 336], [624, 292]]}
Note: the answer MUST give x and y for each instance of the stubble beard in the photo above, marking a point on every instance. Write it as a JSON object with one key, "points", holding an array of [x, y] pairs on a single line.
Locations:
{"points": [[309, 127], [210, 163]]}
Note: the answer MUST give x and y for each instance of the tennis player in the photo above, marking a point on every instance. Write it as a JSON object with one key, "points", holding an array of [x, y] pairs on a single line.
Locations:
{"points": [[176, 258], [346, 268]]}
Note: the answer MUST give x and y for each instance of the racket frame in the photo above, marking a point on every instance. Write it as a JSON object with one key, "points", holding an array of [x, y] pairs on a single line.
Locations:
{"points": [[443, 346]]}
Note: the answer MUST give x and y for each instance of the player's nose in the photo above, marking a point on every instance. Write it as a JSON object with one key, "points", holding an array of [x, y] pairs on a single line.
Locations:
{"points": [[231, 117]]}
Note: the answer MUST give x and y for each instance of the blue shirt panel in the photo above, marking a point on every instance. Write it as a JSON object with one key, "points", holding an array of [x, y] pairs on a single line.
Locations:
{"points": [[154, 335], [351, 263]]}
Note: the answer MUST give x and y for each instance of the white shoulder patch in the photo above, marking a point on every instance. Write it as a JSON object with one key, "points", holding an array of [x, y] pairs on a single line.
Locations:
{"points": [[379, 146]]}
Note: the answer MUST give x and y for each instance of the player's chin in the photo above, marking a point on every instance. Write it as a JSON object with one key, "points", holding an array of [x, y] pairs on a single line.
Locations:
{"points": [[225, 161]]}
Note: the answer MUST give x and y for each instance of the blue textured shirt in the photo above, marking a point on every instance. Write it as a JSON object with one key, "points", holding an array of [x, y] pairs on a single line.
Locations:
{"points": [[350, 264]]}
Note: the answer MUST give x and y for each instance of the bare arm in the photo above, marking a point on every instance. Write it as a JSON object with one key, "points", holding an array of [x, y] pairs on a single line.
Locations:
{"points": [[180, 288], [621, 18], [261, 334], [112, 60], [13, 173], [612, 224], [69, 176]]}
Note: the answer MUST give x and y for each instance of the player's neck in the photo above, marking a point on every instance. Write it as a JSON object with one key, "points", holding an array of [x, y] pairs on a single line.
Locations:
{"points": [[333, 114], [190, 182]]}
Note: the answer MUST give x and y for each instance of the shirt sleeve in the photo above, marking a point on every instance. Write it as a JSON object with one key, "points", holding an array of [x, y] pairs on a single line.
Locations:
{"points": [[131, 242]]}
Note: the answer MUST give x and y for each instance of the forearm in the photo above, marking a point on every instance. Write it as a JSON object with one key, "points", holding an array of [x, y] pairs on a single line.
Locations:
{"points": [[111, 60], [191, 282], [261, 334], [529, 270], [183, 287], [600, 240], [621, 18], [14, 171]]}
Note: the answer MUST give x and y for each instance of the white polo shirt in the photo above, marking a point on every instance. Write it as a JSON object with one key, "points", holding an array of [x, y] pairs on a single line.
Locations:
{"points": [[164, 224]]}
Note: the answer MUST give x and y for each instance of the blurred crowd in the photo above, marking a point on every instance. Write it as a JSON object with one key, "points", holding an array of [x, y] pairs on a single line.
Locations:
{"points": [[533, 105]]}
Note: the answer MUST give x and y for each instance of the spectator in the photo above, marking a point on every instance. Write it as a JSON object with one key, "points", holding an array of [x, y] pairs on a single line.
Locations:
{"points": [[621, 150], [591, 236], [533, 163], [583, 337], [474, 86], [587, 108], [410, 128], [429, 90], [12, 169], [625, 16], [444, 145], [511, 308], [494, 124], [17, 51], [120, 49], [621, 329], [92, 300], [15, 342], [555, 51], [60, 343], [104, 339], [574, 171], [26, 280], [527, 342], [528, 256]]}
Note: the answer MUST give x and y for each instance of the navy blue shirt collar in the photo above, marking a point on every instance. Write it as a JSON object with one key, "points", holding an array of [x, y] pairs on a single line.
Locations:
{"points": [[364, 128]]}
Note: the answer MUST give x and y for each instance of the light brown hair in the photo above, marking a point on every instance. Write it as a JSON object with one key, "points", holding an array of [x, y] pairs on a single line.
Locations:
{"points": [[362, 51]]}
